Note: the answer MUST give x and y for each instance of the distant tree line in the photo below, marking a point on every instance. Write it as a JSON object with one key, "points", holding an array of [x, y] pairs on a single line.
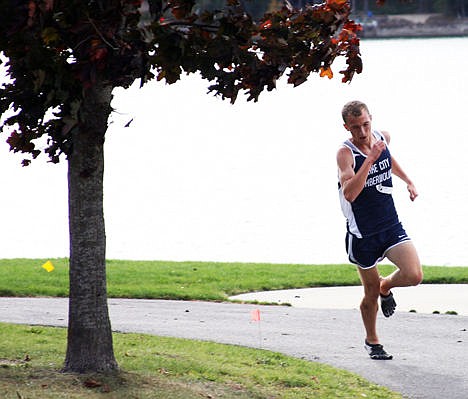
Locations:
{"points": [[256, 8], [454, 8]]}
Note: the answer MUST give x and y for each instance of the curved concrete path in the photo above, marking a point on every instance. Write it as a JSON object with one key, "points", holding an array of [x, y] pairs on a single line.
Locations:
{"points": [[430, 351], [425, 298]]}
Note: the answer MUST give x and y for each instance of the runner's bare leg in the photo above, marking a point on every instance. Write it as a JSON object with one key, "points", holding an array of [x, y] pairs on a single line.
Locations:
{"points": [[408, 272], [369, 305]]}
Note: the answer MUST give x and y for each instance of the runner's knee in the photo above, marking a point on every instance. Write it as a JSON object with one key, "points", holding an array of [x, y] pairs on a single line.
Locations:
{"points": [[418, 278], [371, 293], [414, 277]]}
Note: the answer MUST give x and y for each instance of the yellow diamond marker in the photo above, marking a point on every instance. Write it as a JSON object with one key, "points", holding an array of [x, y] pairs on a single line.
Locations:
{"points": [[48, 266]]}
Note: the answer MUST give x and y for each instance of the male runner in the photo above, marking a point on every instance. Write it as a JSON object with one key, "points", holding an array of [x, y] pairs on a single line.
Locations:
{"points": [[374, 231]]}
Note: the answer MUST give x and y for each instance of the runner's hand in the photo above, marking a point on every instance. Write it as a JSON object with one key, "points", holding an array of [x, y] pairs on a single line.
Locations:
{"points": [[376, 150], [412, 191]]}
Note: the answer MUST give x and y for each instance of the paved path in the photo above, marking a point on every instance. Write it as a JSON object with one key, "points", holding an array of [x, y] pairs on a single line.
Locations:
{"points": [[425, 298], [430, 351]]}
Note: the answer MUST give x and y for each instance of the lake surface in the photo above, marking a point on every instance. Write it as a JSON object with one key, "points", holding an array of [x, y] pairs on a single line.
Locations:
{"points": [[195, 178]]}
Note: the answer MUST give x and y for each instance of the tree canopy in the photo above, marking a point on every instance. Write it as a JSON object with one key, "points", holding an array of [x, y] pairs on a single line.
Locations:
{"points": [[56, 49]]}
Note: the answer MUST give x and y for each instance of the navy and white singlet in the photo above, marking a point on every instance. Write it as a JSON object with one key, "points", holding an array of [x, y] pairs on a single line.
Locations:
{"points": [[373, 211]]}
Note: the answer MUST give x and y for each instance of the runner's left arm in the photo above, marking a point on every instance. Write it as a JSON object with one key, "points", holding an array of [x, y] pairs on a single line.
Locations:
{"points": [[398, 171]]}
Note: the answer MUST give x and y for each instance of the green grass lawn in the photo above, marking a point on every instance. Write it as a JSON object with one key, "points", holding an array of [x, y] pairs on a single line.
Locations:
{"points": [[168, 368], [163, 368], [212, 281]]}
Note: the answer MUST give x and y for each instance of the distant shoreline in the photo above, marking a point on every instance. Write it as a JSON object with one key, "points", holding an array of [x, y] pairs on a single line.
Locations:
{"points": [[413, 26]]}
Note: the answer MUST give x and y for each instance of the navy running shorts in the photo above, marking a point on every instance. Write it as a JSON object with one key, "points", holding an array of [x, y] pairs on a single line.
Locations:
{"points": [[366, 252]]}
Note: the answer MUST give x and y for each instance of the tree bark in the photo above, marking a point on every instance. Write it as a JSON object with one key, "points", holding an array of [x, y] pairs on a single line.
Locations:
{"points": [[89, 344]]}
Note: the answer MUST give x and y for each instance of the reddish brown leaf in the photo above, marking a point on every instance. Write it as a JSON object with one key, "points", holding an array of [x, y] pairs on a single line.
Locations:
{"points": [[338, 3], [266, 25], [49, 5], [31, 12], [92, 383]]}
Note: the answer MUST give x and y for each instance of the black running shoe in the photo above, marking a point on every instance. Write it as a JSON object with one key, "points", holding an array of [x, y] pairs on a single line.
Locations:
{"points": [[377, 352], [387, 304]]}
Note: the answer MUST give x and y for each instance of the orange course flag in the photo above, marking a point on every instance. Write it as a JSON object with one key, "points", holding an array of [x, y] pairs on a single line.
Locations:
{"points": [[48, 266], [255, 315]]}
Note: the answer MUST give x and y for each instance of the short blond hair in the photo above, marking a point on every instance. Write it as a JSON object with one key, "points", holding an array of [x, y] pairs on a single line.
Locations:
{"points": [[353, 108]]}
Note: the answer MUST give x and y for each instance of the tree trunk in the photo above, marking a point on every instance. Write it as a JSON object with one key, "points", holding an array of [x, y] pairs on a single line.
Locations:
{"points": [[89, 346]]}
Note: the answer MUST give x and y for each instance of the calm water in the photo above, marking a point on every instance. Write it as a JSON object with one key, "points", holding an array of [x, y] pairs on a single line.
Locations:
{"points": [[194, 178]]}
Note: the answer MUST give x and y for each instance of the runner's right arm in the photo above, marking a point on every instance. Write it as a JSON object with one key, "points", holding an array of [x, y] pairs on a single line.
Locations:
{"points": [[353, 183]]}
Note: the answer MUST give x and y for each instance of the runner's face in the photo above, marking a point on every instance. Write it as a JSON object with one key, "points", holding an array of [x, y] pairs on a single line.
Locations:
{"points": [[359, 126]]}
